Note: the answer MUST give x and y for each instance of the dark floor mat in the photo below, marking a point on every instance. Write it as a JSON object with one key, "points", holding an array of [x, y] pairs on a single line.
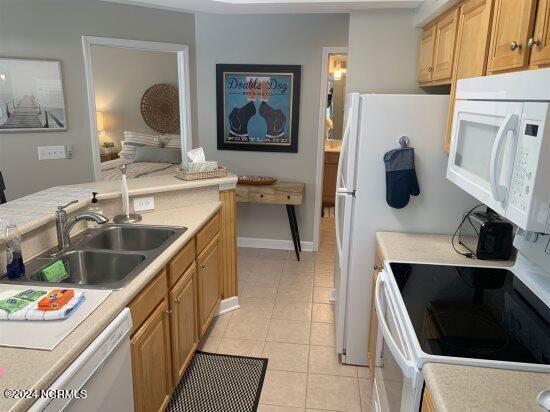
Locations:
{"points": [[219, 383]]}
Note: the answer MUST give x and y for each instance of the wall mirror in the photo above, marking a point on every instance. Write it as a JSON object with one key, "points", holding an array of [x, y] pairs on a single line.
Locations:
{"points": [[143, 120]]}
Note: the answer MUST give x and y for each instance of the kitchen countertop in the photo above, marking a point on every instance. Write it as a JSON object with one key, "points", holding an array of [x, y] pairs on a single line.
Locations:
{"points": [[37, 369], [35, 210], [456, 387], [469, 388]]}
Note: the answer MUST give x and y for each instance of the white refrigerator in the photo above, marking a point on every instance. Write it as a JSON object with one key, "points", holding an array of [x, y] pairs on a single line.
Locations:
{"points": [[373, 125]]}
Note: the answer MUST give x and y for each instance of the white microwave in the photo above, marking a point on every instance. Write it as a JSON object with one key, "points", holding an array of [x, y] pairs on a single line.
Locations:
{"points": [[500, 145]]}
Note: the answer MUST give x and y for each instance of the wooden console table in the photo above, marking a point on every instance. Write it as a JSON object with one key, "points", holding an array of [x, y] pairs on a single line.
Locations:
{"points": [[289, 194]]}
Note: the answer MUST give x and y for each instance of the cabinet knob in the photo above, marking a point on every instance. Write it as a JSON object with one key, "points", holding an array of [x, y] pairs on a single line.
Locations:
{"points": [[169, 312], [532, 42], [178, 300], [202, 266], [430, 69], [514, 46]]}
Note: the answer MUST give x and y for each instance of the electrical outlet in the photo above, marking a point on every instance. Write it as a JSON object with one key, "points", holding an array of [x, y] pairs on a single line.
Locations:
{"points": [[53, 152], [144, 203]]}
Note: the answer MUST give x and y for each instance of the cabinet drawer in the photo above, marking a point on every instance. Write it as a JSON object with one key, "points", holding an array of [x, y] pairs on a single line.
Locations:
{"points": [[332, 157], [148, 299], [207, 233], [179, 264]]}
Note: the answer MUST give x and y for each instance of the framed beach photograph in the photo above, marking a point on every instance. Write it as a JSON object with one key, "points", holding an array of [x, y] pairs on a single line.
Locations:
{"points": [[258, 107], [31, 96]]}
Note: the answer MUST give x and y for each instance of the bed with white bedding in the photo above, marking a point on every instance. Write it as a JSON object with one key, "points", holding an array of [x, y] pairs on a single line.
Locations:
{"points": [[110, 170], [144, 155]]}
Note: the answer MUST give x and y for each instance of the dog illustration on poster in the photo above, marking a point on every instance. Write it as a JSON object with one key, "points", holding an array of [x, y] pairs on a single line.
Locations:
{"points": [[258, 107]]}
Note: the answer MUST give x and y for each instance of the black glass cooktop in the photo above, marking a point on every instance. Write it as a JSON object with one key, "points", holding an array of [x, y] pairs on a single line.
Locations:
{"points": [[474, 312]]}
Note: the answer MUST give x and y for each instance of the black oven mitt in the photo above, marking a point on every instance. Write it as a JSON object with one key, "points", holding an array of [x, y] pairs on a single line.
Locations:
{"points": [[401, 181]]}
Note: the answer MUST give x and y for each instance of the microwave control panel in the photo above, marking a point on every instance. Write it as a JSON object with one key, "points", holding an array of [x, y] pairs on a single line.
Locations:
{"points": [[523, 178]]}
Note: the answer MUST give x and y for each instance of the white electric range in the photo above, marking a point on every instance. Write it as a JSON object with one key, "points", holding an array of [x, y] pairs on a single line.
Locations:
{"points": [[466, 315]]}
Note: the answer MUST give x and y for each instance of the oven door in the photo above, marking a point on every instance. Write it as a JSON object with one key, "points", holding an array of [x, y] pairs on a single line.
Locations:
{"points": [[398, 381], [483, 146]]}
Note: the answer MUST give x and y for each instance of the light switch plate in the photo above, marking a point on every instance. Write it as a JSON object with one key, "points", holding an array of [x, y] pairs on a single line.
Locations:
{"points": [[144, 203], [54, 152]]}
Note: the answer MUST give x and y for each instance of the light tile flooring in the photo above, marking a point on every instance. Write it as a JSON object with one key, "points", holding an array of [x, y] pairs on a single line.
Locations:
{"points": [[286, 316]]}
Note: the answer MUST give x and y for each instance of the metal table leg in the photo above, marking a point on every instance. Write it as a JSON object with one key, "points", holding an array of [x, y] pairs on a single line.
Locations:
{"points": [[293, 226], [293, 210]]}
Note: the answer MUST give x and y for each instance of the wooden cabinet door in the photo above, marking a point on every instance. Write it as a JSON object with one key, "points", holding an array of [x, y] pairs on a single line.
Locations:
{"points": [[208, 277], [444, 50], [427, 401], [183, 322], [540, 41], [426, 54], [472, 46], [373, 331], [512, 25], [152, 362], [329, 178]]}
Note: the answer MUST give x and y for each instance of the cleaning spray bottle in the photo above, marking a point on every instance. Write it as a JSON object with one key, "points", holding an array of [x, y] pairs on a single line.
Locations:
{"points": [[14, 258], [94, 207]]}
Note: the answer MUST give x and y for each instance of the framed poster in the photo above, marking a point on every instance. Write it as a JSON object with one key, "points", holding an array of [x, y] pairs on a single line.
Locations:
{"points": [[258, 107], [31, 96]]}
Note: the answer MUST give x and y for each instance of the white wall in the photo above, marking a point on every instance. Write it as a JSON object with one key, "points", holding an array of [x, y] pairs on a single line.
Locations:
{"points": [[53, 29], [268, 39], [383, 52], [121, 76]]}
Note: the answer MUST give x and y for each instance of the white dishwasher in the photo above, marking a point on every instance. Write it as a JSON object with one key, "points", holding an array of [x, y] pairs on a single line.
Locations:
{"points": [[103, 371]]}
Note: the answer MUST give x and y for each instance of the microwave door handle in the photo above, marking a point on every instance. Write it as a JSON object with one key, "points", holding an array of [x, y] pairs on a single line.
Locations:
{"points": [[340, 192], [405, 364], [499, 191]]}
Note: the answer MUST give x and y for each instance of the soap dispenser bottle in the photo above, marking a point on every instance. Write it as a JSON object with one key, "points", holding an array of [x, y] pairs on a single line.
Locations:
{"points": [[14, 257], [94, 207]]}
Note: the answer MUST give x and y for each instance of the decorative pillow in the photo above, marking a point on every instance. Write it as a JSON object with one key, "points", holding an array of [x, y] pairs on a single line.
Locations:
{"points": [[150, 154], [133, 140], [170, 141]]}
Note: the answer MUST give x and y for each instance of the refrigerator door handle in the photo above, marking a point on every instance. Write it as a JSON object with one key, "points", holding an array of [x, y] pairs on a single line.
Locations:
{"points": [[341, 190]]}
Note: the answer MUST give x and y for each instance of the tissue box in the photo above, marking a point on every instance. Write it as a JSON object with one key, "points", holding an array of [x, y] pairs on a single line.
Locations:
{"points": [[205, 166]]}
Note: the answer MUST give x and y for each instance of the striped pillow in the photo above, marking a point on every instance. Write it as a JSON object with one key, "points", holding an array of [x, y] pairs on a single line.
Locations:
{"points": [[170, 141], [133, 140]]}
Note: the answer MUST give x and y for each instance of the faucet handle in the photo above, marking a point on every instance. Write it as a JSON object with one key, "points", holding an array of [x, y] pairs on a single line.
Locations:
{"points": [[67, 205]]}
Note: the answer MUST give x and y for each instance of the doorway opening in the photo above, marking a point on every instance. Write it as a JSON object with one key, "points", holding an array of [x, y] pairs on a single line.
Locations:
{"points": [[331, 126]]}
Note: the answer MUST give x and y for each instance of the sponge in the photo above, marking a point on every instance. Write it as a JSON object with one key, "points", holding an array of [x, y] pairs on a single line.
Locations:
{"points": [[55, 272]]}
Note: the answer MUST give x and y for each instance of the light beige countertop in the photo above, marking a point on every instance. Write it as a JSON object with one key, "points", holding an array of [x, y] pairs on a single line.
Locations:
{"points": [[33, 211], [455, 387], [467, 388], [412, 247], [37, 369]]}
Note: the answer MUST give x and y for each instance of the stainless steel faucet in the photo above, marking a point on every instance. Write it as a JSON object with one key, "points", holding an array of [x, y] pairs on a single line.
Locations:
{"points": [[64, 226]]}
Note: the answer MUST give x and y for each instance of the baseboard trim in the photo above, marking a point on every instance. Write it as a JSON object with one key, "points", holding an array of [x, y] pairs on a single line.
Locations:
{"points": [[253, 242], [228, 305]]}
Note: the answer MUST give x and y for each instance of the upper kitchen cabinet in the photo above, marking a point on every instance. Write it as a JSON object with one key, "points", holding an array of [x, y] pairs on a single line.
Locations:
{"points": [[512, 26], [472, 46], [426, 55], [437, 49], [473, 38], [444, 50], [540, 41]]}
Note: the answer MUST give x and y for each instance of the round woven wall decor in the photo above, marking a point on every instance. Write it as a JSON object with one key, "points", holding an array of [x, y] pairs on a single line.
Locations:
{"points": [[160, 108]]}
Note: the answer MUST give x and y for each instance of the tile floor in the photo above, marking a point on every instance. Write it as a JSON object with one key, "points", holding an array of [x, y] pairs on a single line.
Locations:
{"points": [[286, 316]]}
